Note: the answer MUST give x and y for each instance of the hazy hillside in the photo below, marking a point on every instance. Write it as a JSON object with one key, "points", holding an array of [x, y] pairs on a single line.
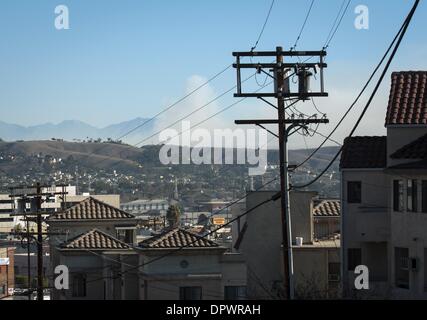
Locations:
{"points": [[72, 130], [137, 172], [121, 156]]}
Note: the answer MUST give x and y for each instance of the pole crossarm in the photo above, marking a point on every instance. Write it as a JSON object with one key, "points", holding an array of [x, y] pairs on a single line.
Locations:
{"points": [[290, 53], [304, 96], [303, 70], [285, 121], [279, 66]]}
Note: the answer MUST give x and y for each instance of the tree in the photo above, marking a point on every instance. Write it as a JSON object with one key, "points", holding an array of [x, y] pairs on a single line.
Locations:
{"points": [[173, 214]]}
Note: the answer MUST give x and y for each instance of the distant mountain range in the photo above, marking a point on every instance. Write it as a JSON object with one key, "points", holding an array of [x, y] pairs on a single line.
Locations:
{"points": [[73, 130]]}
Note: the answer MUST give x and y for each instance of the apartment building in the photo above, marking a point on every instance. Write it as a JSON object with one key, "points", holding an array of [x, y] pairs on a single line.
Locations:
{"points": [[146, 207], [105, 262], [384, 197], [258, 237]]}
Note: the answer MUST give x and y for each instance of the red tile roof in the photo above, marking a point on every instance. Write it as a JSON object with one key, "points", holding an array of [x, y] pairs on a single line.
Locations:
{"points": [[417, 149], [364, 152], [408, 98], [177, 238], [92, 209], [327, 208], [94, 240]]}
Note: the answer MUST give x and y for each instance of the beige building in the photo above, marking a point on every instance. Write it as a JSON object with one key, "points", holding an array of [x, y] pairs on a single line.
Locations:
{"points": [[258, 236], [93, 237], [384, 198], [106, 263], [195, 268]]}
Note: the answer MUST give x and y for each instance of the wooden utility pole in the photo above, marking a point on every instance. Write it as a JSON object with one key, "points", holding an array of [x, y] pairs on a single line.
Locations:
{"points": [[35, 195], [38, 200], [283, 93], [284, 185]]}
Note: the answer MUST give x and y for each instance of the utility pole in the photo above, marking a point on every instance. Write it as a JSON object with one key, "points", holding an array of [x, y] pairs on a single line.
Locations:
{"points": [[284, 186], [282, 92], [35, 194], [38, 200]]}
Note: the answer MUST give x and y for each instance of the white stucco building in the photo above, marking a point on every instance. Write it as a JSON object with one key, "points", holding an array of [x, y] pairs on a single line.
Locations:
{"points": [[384, 197]]}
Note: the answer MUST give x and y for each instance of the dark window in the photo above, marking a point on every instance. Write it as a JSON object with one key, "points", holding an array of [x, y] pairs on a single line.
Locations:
{"points": [[412, 195], [235, 293], [190, 293], [401, 262], [424, 196], [334, 271], [398, 195], [79, 285], [354, 192], [125, 235], [2, 290], [354, 258], [425, 270]]}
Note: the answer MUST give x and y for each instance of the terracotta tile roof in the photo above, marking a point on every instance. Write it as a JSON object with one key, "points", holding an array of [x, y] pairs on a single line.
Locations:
{"points": [[408, 98], [94, 240], [92, 209], [364, 152], [177, 238], [417, 149], [327, 208]]}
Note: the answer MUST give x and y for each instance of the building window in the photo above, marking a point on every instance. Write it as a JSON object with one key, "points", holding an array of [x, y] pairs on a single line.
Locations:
{"points": [[79, 285], [401, 262], [354, 191], [354, 258], [424, 196], [425, 270], [2, 290], [412, 195], [398, 201], [190, 293], [235, 293], [125, 235], [334, 271]]}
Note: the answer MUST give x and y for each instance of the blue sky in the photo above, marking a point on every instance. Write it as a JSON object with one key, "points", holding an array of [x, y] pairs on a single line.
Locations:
{"points": [[129, 58]]}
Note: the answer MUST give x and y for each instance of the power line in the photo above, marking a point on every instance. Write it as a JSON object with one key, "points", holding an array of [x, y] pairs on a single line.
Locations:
{"points": [[214, 115], [324, 136], [263, 27], [193, 112], [400, 35], [303, 25], [356, 100], [333, 31], [176, 102]]}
